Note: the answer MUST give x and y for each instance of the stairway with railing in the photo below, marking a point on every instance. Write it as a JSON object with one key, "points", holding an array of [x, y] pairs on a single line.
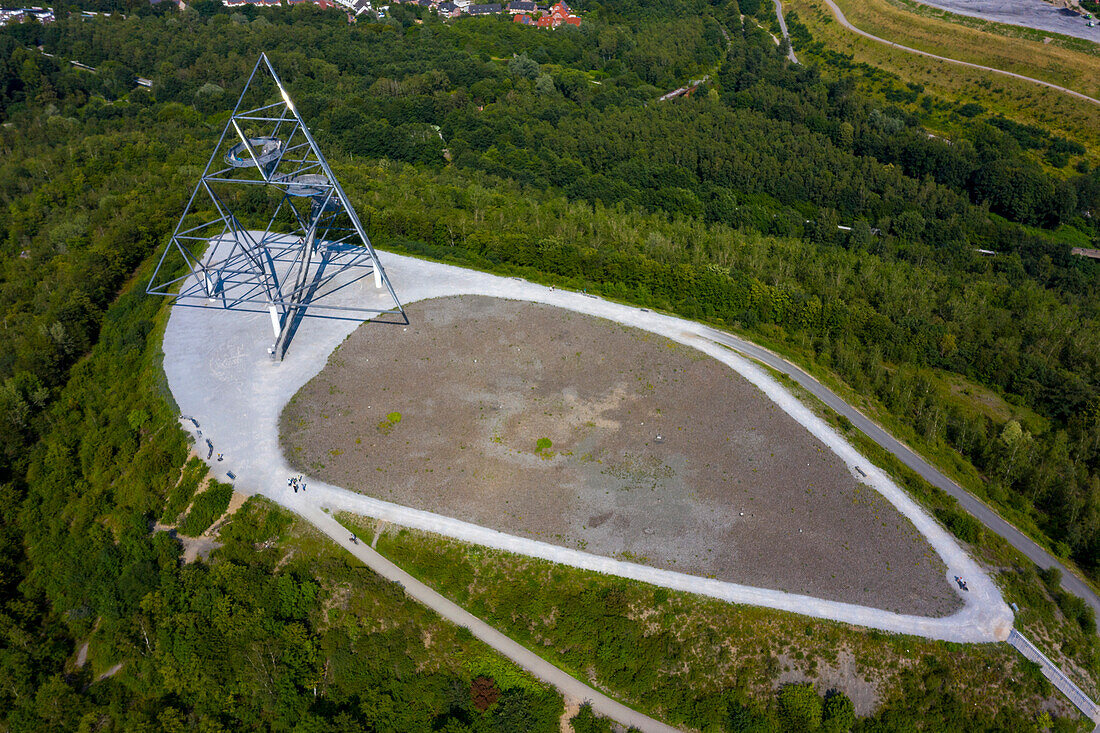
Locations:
{"points": [[1057, 678]]}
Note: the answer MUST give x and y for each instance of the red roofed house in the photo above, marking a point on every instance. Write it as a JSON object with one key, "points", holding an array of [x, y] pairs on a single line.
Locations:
{"points": [[559, 14]]}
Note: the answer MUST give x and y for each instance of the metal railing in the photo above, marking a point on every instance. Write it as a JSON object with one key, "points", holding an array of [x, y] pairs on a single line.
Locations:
{"points": [[1075, 694]]}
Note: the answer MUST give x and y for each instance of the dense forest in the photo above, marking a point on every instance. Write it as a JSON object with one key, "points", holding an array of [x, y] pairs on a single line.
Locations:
{"points": [[496, 146]]}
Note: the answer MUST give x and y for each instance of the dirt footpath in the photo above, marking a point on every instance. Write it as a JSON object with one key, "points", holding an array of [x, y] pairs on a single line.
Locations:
{"points": [[570, 429]]}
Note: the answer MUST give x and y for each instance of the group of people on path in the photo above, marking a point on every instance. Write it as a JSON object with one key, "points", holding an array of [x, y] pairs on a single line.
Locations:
{"points": [[294, 482]]}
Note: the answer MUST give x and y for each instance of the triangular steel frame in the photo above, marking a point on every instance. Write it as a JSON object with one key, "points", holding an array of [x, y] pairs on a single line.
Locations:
{"points": [[322, 249]]}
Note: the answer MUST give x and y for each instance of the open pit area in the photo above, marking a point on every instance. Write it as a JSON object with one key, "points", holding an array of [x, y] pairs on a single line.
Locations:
{"points": [[544, 423]]}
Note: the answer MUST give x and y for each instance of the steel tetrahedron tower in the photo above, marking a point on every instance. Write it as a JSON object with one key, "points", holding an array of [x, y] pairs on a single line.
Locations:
{"points": [[268, 225]]}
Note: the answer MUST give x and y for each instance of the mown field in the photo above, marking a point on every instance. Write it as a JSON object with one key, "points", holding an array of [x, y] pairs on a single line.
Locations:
{"points": [[1072, 69], [1017, 99]]}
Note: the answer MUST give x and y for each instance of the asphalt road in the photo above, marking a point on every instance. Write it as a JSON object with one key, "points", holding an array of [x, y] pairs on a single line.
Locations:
{"points": [[844, 22], [783, 27], [1028, 13], [966, 500]]}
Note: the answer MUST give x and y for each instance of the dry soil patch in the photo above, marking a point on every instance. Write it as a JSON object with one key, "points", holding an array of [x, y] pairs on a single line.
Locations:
{"points": [[544, 423]]}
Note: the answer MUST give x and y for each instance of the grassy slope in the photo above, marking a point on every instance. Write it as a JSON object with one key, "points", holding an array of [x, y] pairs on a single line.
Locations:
{"points": [[1020, 100], [492, 584], [352, 598], [1062, 639], [356, 596], [975, 397], [691, 646], [354, 601], [1070, 68]]}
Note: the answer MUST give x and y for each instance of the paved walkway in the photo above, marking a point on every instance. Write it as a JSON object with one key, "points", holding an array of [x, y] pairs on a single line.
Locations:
{"points": [[219, 372], [533, 663], [844, 22]]}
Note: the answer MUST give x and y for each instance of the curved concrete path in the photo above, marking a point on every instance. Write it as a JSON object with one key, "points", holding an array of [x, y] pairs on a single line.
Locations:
{"points": [[219, 372], [844, 22]]}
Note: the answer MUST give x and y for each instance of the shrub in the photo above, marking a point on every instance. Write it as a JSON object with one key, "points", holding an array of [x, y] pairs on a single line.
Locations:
{"points": [[257, 521], [839, 714], [181, 493], [1076, 609], [208, 506], [971, 109], [799, 708], [586, 721], [484, 693], [1052, 579], [386, 426], [959, 523]]}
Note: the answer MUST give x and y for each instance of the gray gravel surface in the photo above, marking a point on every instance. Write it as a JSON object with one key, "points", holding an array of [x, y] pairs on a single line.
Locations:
{"points": [[218, 370], [478, 381], [1028, 13]]}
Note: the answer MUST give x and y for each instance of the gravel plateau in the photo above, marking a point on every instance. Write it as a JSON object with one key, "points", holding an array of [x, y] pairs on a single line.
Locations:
{"points": [[573, 430]]}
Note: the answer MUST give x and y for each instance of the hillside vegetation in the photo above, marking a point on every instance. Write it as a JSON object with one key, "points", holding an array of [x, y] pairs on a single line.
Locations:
{"points": [[712, 665], [723, 207]]}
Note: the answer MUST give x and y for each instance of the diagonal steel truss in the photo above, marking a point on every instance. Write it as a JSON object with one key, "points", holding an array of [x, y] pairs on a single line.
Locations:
{"points": [[311, 245]]}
